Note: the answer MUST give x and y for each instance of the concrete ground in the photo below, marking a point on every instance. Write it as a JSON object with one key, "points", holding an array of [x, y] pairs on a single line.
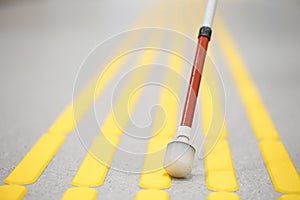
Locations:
{"points": [[43, 43]]}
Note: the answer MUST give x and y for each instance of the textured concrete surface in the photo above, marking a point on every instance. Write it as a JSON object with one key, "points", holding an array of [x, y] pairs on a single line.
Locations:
{"points": [[42, 44]]}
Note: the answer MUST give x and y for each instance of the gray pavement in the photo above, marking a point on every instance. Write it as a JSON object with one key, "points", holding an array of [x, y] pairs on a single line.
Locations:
{"points": [[43, 43]]}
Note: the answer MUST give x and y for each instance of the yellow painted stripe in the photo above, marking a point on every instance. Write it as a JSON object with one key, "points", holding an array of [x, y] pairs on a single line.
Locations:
{"points": [[283, 173], [260, 120], [220, 174], [290, 197], [36, 160], [94, 168], [152, 194], [12, 192], [80, 193], [222, 196], [153, 175]]}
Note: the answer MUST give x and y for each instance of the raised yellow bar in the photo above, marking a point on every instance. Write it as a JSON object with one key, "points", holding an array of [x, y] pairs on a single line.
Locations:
{"points": [[222, 196], [80, 193], [207, 108], [65, 123], [152, 194], [260, 120], [213, 117], [220, 173], [159, 179], [283, 173], [94, 167], [290, 197], [153, 175], [36, 160], [12, 192]]}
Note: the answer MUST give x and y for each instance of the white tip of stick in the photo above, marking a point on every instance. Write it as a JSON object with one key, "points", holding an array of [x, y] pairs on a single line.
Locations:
{"points": [[179, 159]]}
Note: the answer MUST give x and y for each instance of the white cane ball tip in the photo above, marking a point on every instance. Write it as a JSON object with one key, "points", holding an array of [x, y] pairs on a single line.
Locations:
{"points": [[179, 159], [179, 169]]}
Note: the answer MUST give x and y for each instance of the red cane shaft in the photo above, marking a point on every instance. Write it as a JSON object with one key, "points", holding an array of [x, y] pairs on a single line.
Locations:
{"points": [[195, 79]]}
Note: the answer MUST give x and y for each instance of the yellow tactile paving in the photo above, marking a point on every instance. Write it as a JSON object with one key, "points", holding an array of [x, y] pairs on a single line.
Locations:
{"points": [[153, 174], [211, 106], [43, 151], [94, 168], [283, 173], [220, 174], [284, 176], [290, 197], [12, 192], [222, 180], [222, 196], [80, 194], [33, 164], [259, 118], [152, 194], [36, 160], [159, 179], [65, 123], [207, 107]]}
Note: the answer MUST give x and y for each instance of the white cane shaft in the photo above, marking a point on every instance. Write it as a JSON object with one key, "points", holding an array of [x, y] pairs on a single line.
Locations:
{"points": [[209, 12]]}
